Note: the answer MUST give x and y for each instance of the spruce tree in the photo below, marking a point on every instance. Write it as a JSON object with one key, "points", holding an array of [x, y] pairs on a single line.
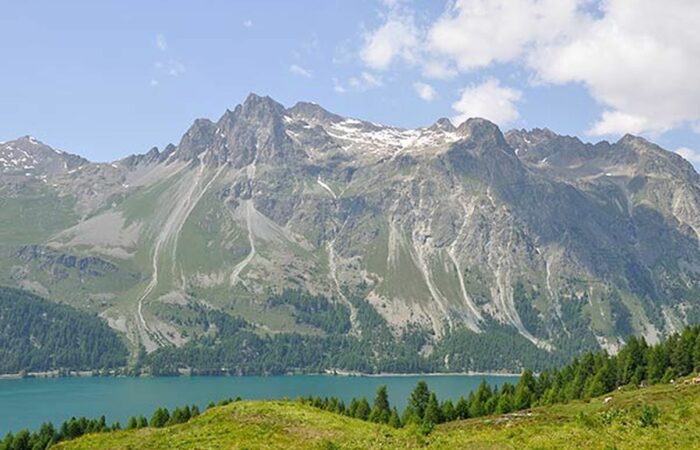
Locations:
{"points": [[381, 410], [142, 422], [394, 420], [160, 418], [448, 411], [363, 409], [462, 408], [420, 398], [433, 415]]}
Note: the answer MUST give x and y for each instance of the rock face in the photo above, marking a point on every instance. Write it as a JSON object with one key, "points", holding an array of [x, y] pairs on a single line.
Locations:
{"points": [[440, 227]]}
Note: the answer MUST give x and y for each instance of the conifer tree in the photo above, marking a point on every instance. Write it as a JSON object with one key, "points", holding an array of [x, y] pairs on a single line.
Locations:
{"points": [[432, 415], [363, 409], [394, 420], [381, 410]]}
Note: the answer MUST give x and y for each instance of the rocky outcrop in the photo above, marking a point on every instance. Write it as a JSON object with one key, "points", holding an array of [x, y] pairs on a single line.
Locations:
{"points": [[439, 227]]}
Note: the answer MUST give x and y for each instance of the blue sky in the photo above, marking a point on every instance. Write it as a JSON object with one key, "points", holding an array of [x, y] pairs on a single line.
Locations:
{"points": [[106, 79]]}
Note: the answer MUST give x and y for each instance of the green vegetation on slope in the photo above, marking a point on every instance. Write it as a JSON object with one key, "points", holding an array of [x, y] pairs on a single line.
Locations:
{"points": [[663, 416], [316, 311], [37, 335], [575, 386], [243, 349], [34, 216]]}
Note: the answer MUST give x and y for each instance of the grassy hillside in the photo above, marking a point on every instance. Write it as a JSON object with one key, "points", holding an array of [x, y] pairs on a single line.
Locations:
{"points": [[629, 421]]}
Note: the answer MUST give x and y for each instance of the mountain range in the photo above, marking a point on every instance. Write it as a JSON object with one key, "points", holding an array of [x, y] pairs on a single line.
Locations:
{"points": [[438, 229]]}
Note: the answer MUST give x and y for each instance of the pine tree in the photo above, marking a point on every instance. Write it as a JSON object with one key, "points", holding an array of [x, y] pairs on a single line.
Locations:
{"points": [[363, 409], [433, 415], [132, 423], [505, 403], [448, 411], [394, 420], [418, 401], [462, 408], [696, 353], [160, 418], [381, 410], [142, 422], [352, 408]]}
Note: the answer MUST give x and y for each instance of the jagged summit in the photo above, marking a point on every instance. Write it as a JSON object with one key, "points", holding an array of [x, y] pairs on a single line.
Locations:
{"points": [[445, 124], [27, 156], [438, 228], [313, 112]]}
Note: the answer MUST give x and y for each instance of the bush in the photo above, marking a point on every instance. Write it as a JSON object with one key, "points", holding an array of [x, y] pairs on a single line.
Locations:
{"points": [[648, 416]]}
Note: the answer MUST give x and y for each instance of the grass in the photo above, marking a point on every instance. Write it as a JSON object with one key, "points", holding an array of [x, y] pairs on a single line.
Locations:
{"points": [[35, 216], [629, 421]]}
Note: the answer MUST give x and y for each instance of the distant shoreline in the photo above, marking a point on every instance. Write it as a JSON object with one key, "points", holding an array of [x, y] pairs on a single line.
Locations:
{"points": [[347, 373], [327, 372]]}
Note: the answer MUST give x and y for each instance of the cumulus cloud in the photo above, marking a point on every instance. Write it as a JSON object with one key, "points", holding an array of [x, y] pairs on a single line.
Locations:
{"points": [[338, 86], [690, 155], [161, 43], [396, 38], [361, 83], [248, 23], [488, 100], [441, 70], [617, 122], [300, 71], [425, 91], [639, 59], [365, 81], [477, 33]]}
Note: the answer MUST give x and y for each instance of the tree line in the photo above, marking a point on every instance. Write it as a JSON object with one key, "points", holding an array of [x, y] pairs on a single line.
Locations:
{"points": [[637, 364], [47, 434]]}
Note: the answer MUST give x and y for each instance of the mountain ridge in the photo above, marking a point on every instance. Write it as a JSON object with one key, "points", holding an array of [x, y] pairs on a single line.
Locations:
{"points": [[436, 227]]}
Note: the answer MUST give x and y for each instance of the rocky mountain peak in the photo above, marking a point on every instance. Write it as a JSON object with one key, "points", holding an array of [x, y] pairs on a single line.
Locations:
{"points": [[262, 108], [312, 112], [198, 138], [481, 132], [29, 156], [443, 124]]}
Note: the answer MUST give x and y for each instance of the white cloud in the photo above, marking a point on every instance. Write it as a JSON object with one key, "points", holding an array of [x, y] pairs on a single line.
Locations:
{"points": [[361, 83], [154, 82], [171, 67], [690, 155], [298, 70], [338, 86], [396, 38], [365, 81], [616, 122], [477, 33], [161, 42], [425, 91], [248, 23], [639, 59], [439, 69], [488, 100]]}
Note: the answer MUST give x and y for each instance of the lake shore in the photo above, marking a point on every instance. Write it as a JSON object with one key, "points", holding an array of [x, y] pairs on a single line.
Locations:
{"points": [[327, 372], [347, 373]]}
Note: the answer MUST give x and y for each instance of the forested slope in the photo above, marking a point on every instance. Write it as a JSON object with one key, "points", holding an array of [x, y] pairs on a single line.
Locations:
{"points": [[38, 335]]}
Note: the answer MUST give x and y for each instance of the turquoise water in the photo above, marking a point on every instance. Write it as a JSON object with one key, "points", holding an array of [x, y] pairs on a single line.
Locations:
{"points": [[27, 403]]}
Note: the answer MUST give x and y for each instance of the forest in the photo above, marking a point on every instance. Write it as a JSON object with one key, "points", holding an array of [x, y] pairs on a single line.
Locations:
{"points": [[37, 335], [638, 364]]}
